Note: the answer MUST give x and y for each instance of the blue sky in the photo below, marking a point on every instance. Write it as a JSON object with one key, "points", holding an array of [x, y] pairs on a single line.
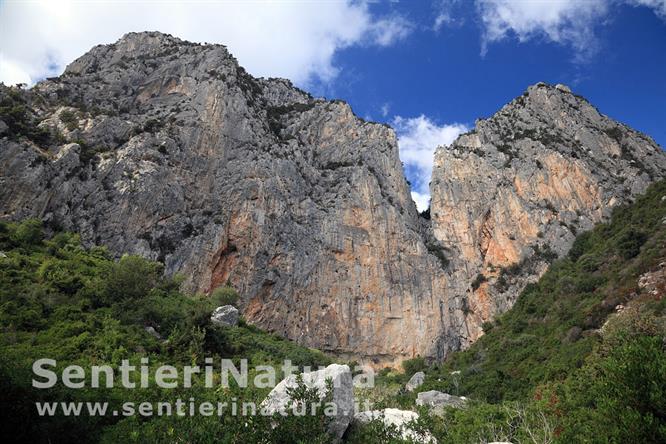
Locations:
{"points": [[427, 68], [444, 77]]}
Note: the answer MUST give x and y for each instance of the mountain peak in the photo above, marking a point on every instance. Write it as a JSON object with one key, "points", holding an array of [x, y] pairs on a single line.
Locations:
{"points": [[514, 192], [171, 150]]}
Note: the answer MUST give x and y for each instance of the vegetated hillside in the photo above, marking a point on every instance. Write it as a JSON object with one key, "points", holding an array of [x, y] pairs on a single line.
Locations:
{"points": [[564, 365], [581, 357], [61, 301], [556, 322]]}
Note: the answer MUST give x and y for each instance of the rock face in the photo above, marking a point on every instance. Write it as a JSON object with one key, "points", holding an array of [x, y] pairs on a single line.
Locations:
{"points": [[511, 195], [226, 316], [401, 419], [278, 399], [171, 150], [415, 381], [168, 149]]}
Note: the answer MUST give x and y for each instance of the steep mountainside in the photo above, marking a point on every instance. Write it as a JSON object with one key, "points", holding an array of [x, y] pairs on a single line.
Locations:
{"points": [[169, 149], [512, 194]]}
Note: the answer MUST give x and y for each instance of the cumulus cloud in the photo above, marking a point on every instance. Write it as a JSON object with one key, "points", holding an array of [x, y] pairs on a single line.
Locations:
{"points": [[568, 22], [422, 200], [296, 40], [417, 139]]}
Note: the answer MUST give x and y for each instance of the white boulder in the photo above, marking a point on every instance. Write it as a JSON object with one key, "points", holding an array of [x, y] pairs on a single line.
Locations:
{"points": [[401, 419], [226, 316], [434, 398], [278, 399], [415, 381]]}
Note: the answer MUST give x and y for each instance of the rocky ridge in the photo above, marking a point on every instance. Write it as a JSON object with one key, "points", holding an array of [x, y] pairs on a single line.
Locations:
{"points": [[170, 150], [511, 195]]}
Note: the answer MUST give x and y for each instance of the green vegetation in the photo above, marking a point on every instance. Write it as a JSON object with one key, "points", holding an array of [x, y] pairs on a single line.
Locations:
{"points": [[70, 120], [19, 117], [532, 343], [62, 301], [413, 365], [478, 280], [224, 295], [559, 367], [546, 371]]}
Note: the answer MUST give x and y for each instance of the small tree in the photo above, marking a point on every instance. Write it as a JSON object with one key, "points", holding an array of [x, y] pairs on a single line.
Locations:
{"points": [[224, 295]]}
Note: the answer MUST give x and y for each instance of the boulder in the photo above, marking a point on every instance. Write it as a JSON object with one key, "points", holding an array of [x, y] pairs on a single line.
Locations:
{"points": [[399, 419], [226, 316], [434, 398], [415, 381], [573, 334], [278, 399], [152, 332], [562, 87]]}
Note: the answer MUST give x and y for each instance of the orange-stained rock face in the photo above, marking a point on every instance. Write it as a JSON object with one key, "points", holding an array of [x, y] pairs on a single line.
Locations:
{"points": [[513, 193], [303, 207]]}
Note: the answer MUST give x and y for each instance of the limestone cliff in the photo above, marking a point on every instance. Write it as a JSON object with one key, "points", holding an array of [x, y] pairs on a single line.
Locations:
{"points": [[511, 195], [169, 149]]}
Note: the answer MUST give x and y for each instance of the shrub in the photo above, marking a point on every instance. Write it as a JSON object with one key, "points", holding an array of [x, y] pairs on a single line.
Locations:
{"points": [[78, 306], [582, 243], [28, 232], [152, 125], [629, 244], [478, 280], [132, 277], [19, 116], [414, 365], [70, 120], [224, 295]]}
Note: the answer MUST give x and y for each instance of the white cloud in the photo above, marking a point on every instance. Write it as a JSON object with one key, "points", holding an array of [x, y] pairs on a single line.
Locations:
{"points": [[446, 16], [422, 200], [385, 109], [568, 22], [387, 31], [11, 73], [296, 40], [417, 139], [443, 18]]}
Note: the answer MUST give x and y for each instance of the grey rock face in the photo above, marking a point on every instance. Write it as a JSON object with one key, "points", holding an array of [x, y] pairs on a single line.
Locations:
{"points": [[401, 419], [512, 194], [226, 316], [170, 150], [434, 398], [278, 399], [415, 381]]}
